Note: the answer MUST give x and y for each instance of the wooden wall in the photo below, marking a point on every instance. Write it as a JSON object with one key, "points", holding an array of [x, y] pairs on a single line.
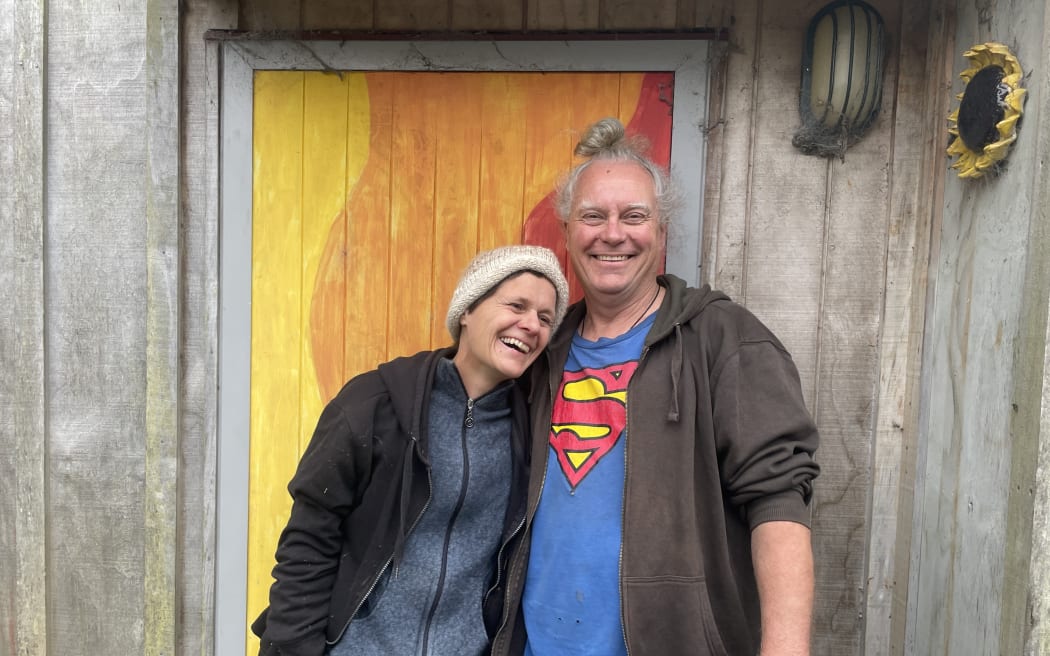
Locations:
{"points": [[979, 581], [88, 314], [108, 312], [832, 254]]}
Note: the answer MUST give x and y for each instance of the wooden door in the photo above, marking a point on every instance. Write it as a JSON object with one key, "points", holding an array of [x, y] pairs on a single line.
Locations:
{"points": [[371, 192]]}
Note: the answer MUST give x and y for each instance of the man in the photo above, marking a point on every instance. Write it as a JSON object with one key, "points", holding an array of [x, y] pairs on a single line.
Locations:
{"points": [[672, 454]]}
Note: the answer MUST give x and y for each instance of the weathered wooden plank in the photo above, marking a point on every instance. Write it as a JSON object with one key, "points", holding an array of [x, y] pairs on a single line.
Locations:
{"points": [[720, 14], [564, 15], [1037, 635], [628, 14], [1026, 582], [855, 245], [785, 281], [337, 15], [503, 16], [198, 400], [457, 188], [368, 256], [276, 365], [785, 232], [413, 235], [23, 415], [916, 175], [969, 372], [162, 323], [324, 198], [425, 15], [731, 127], [95, 324], [264, 15]]}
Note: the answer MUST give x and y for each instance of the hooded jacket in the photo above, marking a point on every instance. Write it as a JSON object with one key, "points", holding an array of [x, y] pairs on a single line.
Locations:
{"points": [[361, 486], [718, 441]]}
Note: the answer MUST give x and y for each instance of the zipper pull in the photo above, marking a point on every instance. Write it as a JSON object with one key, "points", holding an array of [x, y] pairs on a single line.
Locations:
{"points": [[469, 421]]}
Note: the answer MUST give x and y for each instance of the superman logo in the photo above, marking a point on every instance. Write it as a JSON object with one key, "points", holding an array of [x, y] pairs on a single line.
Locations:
{"points": [[589, 415]]}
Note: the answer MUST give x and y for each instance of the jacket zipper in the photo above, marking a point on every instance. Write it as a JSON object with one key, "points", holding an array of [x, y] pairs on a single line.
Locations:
{"points": [[390, 558], [468, 423], [500, 634], [623, 510]]}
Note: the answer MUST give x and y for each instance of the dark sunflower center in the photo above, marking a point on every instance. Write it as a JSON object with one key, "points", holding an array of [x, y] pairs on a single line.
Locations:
{"points": [[982, 108]]}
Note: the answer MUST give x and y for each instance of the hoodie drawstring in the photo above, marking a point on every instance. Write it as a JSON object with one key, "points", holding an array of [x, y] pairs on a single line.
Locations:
{"points": [[677, 361]]}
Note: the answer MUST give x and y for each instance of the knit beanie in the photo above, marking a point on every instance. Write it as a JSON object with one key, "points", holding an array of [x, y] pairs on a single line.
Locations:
{"points": [[489, 268]]}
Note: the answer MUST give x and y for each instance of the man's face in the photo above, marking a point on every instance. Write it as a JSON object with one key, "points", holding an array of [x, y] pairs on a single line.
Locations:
{"points": [[613, 234]]}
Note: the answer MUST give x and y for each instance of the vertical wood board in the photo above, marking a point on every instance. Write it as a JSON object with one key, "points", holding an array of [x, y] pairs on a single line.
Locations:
{"points": [[564, 14], [917, 172], [338, 15], [198, 374], [788, 212], [981, 266], [162, 324], [728, 216], [23, 418], [95, 325]]}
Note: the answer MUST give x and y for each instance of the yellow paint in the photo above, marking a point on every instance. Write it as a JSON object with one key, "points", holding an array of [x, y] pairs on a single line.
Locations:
{"points": [[592, 389], [577, 458], [582, 431], [370, 194]]}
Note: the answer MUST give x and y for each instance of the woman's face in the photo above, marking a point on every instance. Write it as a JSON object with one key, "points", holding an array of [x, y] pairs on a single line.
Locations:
{"points": [[505, 333]]}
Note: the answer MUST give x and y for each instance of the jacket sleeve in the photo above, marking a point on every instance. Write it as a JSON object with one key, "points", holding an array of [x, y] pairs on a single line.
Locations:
{"points": [[764, 434], [323, 491]]}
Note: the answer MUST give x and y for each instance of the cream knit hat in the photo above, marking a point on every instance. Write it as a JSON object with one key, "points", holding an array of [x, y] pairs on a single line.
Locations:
{"points": [[489, 268]]}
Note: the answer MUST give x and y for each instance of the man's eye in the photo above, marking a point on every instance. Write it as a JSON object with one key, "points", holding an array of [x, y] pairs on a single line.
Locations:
{"points": [[635, 218]]}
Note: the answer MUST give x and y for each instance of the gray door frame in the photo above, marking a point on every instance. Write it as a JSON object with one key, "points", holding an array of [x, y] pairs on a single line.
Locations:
{"points": [[687, 58]]}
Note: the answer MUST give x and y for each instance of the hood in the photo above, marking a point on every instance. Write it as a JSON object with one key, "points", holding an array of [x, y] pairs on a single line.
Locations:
{"points": [[408, 389], [681, 305]]}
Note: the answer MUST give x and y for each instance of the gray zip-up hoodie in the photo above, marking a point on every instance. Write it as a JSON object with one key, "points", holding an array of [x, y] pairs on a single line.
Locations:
{"points": [[360, 489], [721, 441]]}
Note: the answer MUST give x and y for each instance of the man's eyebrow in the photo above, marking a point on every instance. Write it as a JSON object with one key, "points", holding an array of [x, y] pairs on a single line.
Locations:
{"points": [[628, 206]]}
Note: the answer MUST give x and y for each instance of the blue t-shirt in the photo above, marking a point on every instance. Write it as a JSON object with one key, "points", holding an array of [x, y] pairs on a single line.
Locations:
{"points": [[572, 588]]}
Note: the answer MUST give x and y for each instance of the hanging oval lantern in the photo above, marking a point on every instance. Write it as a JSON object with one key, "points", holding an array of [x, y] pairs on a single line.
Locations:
{"points": [[841, 90]]}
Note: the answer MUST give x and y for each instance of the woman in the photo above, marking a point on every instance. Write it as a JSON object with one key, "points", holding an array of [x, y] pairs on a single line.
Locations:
{"points": [[410, 497]]}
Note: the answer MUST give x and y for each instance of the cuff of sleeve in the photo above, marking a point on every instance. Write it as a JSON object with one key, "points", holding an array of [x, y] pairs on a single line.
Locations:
{"points": [[787, 506]]}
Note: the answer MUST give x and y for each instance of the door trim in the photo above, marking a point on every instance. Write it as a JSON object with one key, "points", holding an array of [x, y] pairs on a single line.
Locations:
{"points": [[687, 58]]}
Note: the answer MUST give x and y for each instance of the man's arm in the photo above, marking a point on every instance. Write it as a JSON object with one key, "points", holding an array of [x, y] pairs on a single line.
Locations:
{"points": [[783, 558]]}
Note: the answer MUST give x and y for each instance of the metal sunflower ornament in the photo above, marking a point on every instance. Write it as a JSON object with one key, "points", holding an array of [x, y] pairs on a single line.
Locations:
{"points": [[985, 124]]}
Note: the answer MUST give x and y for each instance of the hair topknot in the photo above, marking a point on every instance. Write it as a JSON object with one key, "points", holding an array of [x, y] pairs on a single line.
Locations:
{"points": [[607, 140]]}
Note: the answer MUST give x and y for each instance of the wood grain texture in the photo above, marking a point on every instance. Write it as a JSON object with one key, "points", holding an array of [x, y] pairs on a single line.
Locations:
{"points": [[161, 186], [270, 15], [917, 175], [23, 410], [414, 15], [325, 175], [198, 370], [727, 216], [626, 14], [96, 292], [1026, 580], [338, 14], [276, 356], [469, 15], [457, 193], [564, 14], [975, 316]]}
